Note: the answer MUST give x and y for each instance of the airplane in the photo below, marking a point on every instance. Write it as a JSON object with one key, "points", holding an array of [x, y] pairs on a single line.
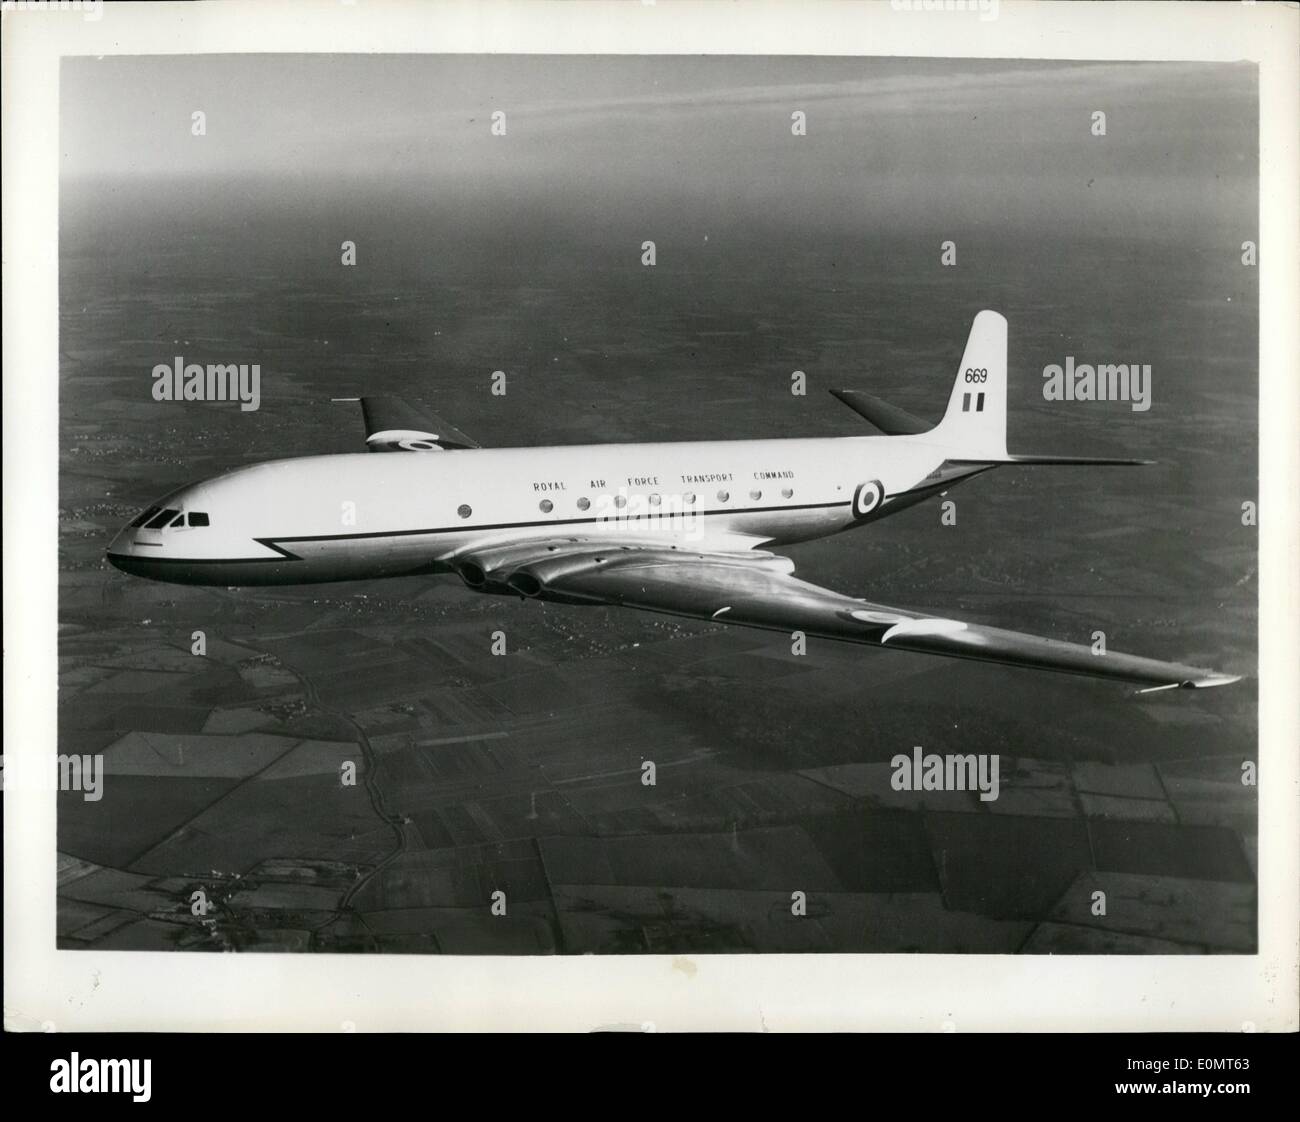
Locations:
{"points": [[680, 528]]}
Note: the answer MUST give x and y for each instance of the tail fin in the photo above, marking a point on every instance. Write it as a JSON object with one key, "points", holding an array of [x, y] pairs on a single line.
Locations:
{"points": [[974, 428], [975, 424]]}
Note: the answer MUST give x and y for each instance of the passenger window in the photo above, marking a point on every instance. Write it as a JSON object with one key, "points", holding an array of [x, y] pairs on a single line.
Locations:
{"points": [[756, 495], [198, 518], [584, 503], [724, 496], [787, 492], [690, 498], [546, 506], [159, 522], [464, 510], [620, 501], [654, 500]]}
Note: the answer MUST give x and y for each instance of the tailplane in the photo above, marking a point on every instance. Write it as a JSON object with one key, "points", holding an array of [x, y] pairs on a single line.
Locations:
{"points": [[1084, 461]]}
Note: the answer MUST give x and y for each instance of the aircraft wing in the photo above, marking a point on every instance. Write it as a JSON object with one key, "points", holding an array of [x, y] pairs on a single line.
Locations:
{"points": [[757, 589], [393, 425]]}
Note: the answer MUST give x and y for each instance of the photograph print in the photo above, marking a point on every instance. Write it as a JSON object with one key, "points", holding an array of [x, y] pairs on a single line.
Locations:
{"points": [[528, 505]]}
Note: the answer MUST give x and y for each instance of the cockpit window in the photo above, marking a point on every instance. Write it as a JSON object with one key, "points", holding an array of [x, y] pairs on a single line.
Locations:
{"points": [[161, 520], [144, 516], [198, 518], [179, 521]]}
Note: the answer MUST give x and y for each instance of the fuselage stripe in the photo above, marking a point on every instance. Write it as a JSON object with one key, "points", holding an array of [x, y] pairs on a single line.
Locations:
{"points": [[467, 527], [286, 555]]}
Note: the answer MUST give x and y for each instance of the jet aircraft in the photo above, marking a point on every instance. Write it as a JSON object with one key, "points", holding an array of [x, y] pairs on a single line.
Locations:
{"points": [[686, 528]]}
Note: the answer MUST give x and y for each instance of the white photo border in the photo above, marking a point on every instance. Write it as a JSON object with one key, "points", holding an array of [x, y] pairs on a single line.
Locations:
{"points": [[47, 988]]}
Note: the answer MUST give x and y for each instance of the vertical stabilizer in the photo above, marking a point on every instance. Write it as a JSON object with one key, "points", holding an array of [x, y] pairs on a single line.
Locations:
{"points": [[975, 424]]}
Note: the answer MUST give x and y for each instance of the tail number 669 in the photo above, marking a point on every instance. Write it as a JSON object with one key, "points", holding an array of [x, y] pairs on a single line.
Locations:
{"points": [[976, 374]]}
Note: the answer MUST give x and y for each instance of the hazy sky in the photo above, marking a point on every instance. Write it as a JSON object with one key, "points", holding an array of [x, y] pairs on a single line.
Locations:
{"points": [[994, 140]]}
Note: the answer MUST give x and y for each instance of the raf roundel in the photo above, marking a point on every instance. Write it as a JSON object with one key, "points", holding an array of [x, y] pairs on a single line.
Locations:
{"points": [[867, 497]]}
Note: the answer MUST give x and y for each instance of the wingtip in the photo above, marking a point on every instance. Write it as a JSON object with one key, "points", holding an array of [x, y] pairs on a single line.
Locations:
{"points": [[1206, 681], [1210, 681]]}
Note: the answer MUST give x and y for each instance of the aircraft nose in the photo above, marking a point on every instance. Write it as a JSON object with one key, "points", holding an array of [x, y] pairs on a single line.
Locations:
{"points": [[121, 543], [124, 556], [123, 552], [117, 549]]}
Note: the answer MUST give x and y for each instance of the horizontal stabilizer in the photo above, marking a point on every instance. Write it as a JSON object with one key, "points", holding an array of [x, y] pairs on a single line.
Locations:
{"points": [[393, 425], [1084, 461], [889, 419]]}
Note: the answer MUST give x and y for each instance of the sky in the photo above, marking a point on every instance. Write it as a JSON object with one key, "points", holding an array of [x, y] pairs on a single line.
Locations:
{"points": [[888, 140]]}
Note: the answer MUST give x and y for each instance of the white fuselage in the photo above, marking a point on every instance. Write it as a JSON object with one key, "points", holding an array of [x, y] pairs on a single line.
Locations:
{"points": [[365, 515]]}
